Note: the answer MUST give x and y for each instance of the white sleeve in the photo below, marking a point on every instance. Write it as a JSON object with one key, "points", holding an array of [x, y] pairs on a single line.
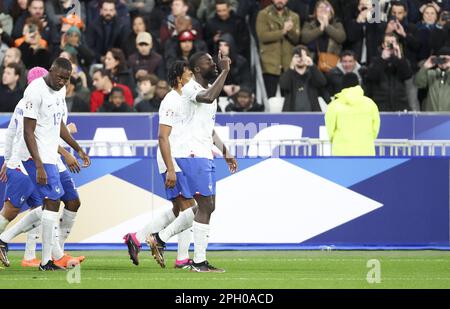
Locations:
{"points": [[32, 100], [191, 90], [9, 137], [166, 113]]}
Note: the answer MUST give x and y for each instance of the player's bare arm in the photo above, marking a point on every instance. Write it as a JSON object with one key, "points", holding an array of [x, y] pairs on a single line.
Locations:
{"points": [[164, 145], [67, 137], [29, 126], [71, 161], [229, 158], [209, 95]]}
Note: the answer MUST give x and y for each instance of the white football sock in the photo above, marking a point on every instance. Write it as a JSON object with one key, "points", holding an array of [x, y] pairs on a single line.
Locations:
{"points": [[201, 235], [57, 251], [156, 224], [65, 225], [49, 229], [30, 221], [184, 221], [184, 241], [3, 223], [30, 246]]}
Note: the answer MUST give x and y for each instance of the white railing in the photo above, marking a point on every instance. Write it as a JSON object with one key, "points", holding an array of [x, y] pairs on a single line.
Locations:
{"points": [[304, 147]]}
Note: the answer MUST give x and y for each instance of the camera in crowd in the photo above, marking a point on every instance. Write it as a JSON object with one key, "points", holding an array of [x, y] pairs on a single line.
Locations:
{"points": [[439, 60]]}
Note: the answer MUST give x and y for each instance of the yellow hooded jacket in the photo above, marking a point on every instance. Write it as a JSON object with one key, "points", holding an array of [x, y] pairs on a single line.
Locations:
{"points": [[352, 122]]}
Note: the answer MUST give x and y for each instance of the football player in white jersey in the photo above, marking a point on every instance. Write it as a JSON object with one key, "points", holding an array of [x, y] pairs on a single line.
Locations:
{"points": [[19, 187], [43, 128], [196, 161], [172, 132]]}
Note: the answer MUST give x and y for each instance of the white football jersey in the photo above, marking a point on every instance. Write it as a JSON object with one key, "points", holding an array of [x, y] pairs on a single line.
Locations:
{"points": [[200, 123], [47, 107], [15, 128], [173, 113]]}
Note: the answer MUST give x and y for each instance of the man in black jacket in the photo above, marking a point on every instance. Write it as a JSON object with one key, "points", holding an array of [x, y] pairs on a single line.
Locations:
{"points": [[386, 77], [10, 92], [106, 32], [301, 83]]}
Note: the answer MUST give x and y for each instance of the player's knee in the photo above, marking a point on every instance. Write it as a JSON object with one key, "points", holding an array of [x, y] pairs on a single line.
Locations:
{"points": [[9, 212], [73, 205]]}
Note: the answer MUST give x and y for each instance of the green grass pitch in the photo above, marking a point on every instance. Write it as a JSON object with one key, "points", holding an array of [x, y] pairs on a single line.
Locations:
{"points": [[254, 270]]}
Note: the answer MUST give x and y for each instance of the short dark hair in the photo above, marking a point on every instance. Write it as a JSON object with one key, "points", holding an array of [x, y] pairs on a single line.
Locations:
{"points": [[175, 71], [150, 77], [118, 89], [297, 50], [193, 61], [31, 1], [398, 3], [103, 73], [347, 53], [108, 1], [16, 67], [62, 63], [350, 80], [227, 2]]}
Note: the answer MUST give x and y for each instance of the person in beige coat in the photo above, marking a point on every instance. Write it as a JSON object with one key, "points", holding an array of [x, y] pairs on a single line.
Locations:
{"points": [[278, 30]]}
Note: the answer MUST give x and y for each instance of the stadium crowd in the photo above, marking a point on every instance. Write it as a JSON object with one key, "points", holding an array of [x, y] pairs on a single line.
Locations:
{"points": [[120, 50]]}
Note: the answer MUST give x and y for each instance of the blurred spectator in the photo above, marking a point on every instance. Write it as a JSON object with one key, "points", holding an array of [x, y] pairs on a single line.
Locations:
{"points": [[363, 35], [239, 74], [140, 7], [137, 25], [243, 101], [57, 9], [278, 30], [224, 21], [208, 8], [249, 9], [406, 32], [178, 8], [93, 11], [324, 33], [352, 120], [182, 24], [72, 42], [106, 31], [115, 62], [347, 64], [115, 103], [147, 101], [162, 88], [409, 44], [6, 21], [18, 9], [146, 59], [188, 44], [10, 91], [36, 10], [301, 83], [14, 55], [440, 36], [77, 96], [33, 47], [386, 77], [158, 15], [424, 30], [434, 75], [338, 6], [103, 85]]}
